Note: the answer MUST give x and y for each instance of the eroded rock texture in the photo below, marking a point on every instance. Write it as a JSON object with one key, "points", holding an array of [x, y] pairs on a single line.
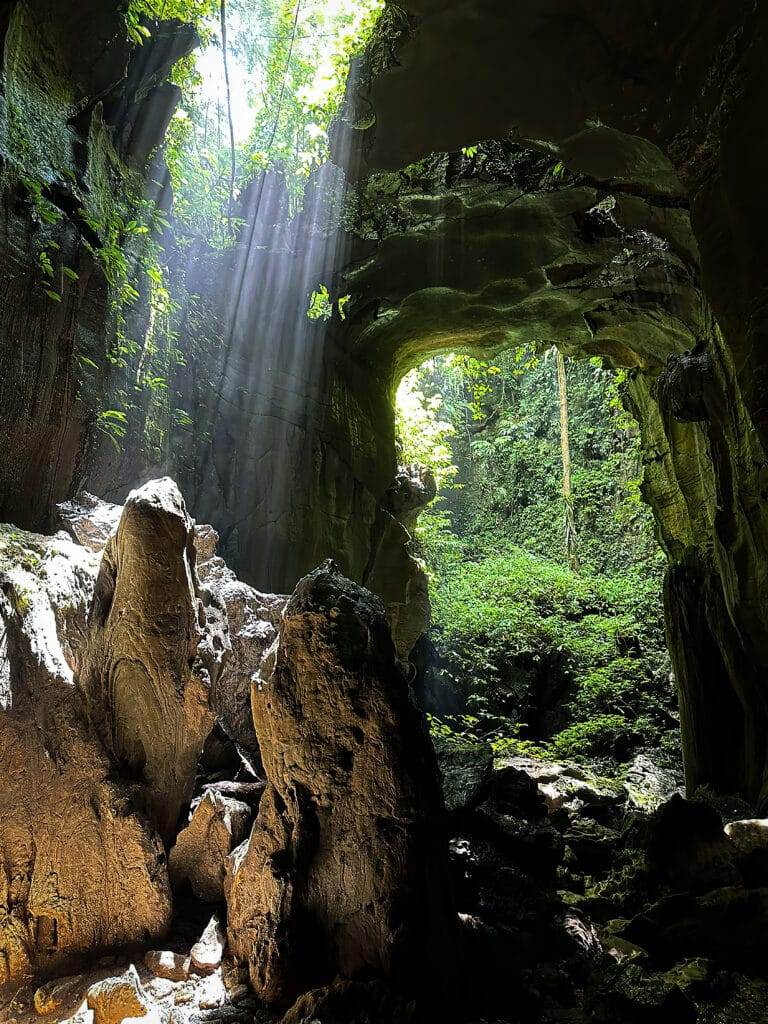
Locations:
{"points": [[199, 858], [80, 870], [393, 573], [253, 619], [155, 646], [345, 871]]}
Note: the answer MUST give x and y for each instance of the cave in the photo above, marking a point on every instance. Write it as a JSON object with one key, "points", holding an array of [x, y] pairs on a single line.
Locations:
{"points": [[208, 588]]}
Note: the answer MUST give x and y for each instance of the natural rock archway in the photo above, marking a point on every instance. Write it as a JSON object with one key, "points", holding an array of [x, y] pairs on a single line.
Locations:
{"points": [[648, 115]]}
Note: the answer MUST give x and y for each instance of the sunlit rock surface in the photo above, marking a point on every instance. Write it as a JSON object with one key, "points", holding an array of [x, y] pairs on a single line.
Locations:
{"points": [[83, 870], [344, 872], [155, 646], [253, 619], [80, 870]]}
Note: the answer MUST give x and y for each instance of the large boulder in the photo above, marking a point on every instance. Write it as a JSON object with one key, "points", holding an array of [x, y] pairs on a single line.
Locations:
{"points": [[115, 999], [465, 771], [685, 847], [345, 872], [750, 840], [155, 647], [727, 926]]}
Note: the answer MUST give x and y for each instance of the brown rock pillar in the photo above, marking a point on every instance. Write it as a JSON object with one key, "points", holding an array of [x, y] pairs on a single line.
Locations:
{"points": [[157, 640], [345, 872]]}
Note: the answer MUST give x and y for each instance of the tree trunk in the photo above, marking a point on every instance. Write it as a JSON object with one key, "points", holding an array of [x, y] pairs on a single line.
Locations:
{"points": [[571, 548], [232, 152]]}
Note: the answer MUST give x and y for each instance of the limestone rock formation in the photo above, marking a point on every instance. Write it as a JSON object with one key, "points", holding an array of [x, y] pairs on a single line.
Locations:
{"points": [[80, 870], [168, 965], [155, 647], [80, 103], [656, 274], [217, 826], [253, 619], [345, 870], [465, 772], [393, 573], [342, 1001], [252, 616], [207, 952]]}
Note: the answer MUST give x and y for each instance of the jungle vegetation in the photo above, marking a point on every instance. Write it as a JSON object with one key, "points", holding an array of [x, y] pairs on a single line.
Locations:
{"points": [[544, 572]]}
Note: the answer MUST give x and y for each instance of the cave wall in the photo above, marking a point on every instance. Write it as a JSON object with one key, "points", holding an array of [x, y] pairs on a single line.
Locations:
{"points": [[285, 444], [81, 109]]}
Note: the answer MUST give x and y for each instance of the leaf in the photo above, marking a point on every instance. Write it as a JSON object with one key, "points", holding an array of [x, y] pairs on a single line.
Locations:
{"points": [[53, 295]]}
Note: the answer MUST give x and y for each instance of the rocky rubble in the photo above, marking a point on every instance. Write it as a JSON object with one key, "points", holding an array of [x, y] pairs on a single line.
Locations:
{"points": [[577, 905], [118, 637], [111, 650], [341, 887]]}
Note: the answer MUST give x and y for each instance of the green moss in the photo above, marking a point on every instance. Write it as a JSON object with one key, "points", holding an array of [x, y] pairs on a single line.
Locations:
{"points": [[20, 550]]}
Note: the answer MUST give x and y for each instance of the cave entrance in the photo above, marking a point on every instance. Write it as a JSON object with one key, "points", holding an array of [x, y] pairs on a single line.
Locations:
{"points": [[547, 633]]}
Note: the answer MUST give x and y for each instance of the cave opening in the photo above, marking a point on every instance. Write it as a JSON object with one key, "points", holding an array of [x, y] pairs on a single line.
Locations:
{"points": [[545, 576]]}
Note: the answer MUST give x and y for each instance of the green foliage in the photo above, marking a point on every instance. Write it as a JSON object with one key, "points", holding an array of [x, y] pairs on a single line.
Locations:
{"points": [[506, 443], [423, 439], [113, 423], [293, 60], [575, 663], [558, 171], [320, 304], [545, 660], [300, 58], [141, 12]]}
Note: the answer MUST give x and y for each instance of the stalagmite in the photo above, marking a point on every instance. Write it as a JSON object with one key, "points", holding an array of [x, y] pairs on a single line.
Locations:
{"points": [[156, 644], [345, 870]]}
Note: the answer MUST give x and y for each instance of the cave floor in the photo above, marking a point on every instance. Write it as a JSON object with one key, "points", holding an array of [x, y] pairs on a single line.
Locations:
{"points": [[580, 900]]}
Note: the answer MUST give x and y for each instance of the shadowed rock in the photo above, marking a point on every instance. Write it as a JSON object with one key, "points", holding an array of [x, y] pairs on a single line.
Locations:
{"points": [[345, 870], [686, 387], [253, 620], [156, 644]]}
